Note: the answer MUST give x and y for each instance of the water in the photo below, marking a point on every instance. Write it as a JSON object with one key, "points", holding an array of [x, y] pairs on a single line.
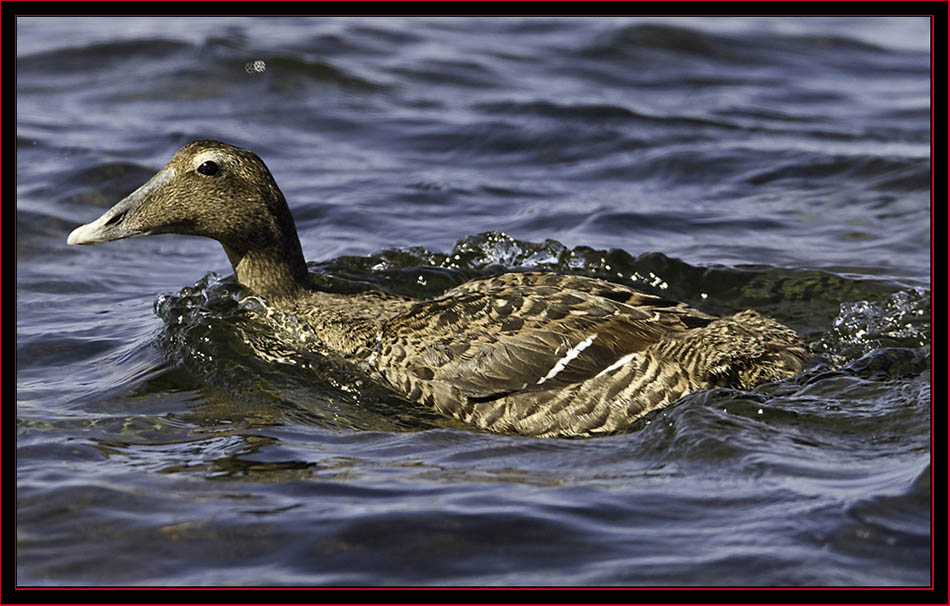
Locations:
{"points": [[776, 163]]}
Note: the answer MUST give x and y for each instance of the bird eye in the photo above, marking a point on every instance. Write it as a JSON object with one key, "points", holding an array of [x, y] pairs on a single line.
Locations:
{"points": [[208, 168]]}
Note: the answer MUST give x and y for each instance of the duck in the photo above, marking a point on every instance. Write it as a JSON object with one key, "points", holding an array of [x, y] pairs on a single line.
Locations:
{"points": [[527, 353]]}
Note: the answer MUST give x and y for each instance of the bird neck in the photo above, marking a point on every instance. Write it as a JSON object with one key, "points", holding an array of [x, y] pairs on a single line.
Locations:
{"points": [[269, 259], [277, 273]]}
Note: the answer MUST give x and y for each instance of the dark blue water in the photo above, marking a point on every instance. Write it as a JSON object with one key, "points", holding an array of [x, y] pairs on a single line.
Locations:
{"points": [[779, 164]]}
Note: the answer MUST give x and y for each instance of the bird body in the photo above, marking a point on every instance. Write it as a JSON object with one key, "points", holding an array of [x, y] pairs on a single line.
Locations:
{"points": [[538, 354]]}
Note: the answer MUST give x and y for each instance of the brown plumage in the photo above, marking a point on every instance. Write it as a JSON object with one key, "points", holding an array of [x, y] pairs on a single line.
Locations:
{"points": [[529, 353]]}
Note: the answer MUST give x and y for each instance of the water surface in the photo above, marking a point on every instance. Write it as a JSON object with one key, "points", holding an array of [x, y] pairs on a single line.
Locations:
{"points": [[778, 164]]}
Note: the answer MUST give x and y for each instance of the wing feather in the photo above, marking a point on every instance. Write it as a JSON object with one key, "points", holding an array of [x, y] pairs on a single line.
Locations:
{"points": [[563, 330]]}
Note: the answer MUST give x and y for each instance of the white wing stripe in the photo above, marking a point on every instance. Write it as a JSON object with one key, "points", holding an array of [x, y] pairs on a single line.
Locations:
{"points": [[570, 355], [617, 364]]}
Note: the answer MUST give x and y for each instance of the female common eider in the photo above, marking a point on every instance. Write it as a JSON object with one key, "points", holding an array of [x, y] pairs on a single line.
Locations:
{"points": [[530, 353]]}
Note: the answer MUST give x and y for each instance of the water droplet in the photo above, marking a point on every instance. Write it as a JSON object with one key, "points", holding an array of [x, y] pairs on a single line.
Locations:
{"points": [[255, 66]]}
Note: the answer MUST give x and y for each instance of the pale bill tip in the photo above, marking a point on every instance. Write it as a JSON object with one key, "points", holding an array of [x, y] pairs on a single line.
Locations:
{"points": [[84, 234], [76, 236]]}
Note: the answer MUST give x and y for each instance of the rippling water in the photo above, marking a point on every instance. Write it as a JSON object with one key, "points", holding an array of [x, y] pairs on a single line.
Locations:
{"points": [[774, 163]]}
